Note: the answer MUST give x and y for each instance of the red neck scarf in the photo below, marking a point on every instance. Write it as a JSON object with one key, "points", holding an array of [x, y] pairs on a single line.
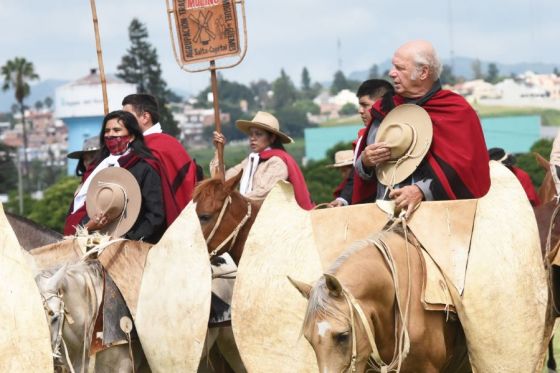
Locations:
{"points": [[295, 177]]}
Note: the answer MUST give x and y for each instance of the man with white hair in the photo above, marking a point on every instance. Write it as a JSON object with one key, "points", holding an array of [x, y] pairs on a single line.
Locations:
{"points": [[456, 165]]}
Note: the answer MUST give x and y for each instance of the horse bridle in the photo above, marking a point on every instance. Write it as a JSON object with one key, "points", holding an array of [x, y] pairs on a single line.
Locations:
{"points": [[63, 315], [402, 340], [233, 235]]}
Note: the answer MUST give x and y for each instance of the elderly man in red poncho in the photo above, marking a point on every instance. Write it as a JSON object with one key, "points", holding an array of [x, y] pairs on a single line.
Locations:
{"points": [[456, 164]]}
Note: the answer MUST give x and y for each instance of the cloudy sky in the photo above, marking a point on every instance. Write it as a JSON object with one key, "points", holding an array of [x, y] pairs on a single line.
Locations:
{"points": [[57, 35]]}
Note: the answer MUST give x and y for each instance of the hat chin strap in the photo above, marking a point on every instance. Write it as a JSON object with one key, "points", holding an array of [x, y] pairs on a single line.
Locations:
{"points": [[122, 214]]}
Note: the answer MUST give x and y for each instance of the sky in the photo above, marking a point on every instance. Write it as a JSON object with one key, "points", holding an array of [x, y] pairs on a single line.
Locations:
{"points": [[57, 35]]}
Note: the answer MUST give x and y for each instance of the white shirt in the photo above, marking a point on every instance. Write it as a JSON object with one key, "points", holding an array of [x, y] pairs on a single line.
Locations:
{"points": [[156, 128]]}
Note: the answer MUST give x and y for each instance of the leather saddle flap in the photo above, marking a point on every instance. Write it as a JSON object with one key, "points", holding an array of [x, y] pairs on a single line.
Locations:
{"points": [[125, 261], [444, 229]]}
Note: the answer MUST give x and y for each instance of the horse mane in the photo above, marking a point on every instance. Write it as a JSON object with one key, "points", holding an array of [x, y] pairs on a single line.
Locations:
{"points": [[75, 270], [208, 188]]}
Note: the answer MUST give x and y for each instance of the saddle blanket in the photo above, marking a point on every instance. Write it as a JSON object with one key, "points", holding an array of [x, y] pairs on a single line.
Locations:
{"points": [[224, 271]]}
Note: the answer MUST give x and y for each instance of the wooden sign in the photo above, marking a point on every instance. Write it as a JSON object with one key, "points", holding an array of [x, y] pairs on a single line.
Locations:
{"points": [[207, 29]]}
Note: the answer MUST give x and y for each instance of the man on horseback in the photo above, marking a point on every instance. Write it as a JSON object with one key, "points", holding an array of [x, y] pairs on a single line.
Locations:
{"points": [[456, 164]]}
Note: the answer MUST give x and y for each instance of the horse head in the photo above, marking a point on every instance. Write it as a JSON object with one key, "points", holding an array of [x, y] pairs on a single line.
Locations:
{"points": [[367, 310], [225, 215], [71, 297]]}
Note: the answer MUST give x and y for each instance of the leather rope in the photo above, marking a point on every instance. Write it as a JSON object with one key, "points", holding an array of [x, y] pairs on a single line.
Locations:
{"points": [[233, 235]]}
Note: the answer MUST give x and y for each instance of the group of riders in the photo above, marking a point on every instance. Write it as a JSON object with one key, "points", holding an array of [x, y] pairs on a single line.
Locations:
{"points": [[419, 142]]}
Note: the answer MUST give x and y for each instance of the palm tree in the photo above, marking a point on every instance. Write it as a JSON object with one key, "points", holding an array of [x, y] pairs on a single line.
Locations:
{"points": [[17, 73]]}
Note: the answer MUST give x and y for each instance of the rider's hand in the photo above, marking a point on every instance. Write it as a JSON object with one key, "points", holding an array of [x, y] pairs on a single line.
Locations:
{"points": [[336, 203], [407, 198], [219, 138], [375, 154]]}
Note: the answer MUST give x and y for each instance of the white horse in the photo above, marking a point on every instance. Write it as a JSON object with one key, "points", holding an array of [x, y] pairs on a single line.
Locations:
{"points": [[72, 295]]}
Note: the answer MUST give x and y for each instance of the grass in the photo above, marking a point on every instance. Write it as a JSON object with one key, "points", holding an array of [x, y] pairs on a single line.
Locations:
{"points": [[550, 117]]}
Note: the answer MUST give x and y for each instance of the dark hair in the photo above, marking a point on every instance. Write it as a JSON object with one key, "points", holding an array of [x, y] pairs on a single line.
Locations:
{"points": [[131, 124], [375, 88], [277, 144], [143, 103], [499, 154], [80, 167]]}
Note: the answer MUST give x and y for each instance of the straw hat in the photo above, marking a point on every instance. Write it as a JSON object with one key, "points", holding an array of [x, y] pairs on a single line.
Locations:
{"points": [[343, 158], [267, 122], [91, 144], [407, 130], [115, 192]]}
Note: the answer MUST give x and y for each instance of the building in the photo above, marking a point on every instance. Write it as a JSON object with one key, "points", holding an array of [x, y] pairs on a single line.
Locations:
{"points": [[192, 122], [79, 105]]}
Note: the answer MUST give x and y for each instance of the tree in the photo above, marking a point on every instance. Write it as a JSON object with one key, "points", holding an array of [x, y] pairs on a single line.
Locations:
{"points": [[262, 90], [447, 76], [39, 105], [307, 106], [292, 120], [476, 67], [348, 109], [339, 83], [305, 80], [140, 66], [17, 74], [284, 91], [493, 73], [373, 72], [48, 102], [8, 171]]}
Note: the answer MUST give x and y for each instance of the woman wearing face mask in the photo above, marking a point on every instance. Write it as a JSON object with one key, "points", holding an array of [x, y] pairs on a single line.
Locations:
{"points": [[122, 145], [268, 161]]}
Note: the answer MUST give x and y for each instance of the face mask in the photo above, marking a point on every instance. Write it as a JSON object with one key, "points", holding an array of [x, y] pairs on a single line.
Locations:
{"points": [[117, 144]]}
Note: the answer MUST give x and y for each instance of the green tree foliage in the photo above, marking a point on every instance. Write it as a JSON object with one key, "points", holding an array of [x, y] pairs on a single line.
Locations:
{"points": [[527, 162], [13, 203], [284, 91], [305, 80], [292, 120], [339, 83], [348, 109], [39, 105], [141, 66], [8, 171], [262, 91], [476, 67], [51, 211], [48, 102], [307, 106], [447, 76], [493, 75], [17, 74], [322, 180]]}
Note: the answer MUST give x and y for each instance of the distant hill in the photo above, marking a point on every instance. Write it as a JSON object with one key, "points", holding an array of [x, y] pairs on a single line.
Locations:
{"points": [[462, 66], [46, 88], [39, 92]]}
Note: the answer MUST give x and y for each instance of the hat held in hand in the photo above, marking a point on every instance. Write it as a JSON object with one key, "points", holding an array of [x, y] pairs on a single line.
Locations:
{"points": [[407, 131], [343, 158], [114, 192]]}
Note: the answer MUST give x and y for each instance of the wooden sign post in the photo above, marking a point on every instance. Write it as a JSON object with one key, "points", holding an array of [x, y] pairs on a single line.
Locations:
{"points": [[100, 57], [207, 30]]}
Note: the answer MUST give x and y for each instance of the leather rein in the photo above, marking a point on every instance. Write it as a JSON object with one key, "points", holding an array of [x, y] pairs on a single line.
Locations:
{"points": [[233, 235]]}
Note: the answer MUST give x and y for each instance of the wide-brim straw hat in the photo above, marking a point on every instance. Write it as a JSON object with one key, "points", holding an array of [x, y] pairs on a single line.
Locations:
{"points": [[408, 132], [115, 192], [343, 158], [267, 122], [90, 145]]}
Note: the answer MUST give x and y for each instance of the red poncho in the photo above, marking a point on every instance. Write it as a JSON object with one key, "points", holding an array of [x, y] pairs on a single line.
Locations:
{"points": [[295, 177], [176, 166], [527, 185], [457, 158]]}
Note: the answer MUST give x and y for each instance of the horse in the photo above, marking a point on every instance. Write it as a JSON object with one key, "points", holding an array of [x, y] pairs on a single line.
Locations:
{"points": [[226, 218], [547, 190], [30, 234], [367, 310], [72, 295], [225, 215]]}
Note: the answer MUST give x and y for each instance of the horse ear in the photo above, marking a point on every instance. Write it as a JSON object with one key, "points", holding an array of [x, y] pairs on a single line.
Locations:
{"points": [[334, 286], [303, 288], [231, 183], [53, 283]]}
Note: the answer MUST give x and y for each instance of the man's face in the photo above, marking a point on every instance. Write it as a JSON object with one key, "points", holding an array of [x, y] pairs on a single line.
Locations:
{"points": [[364, 104], [143, 119], [407, 79]]}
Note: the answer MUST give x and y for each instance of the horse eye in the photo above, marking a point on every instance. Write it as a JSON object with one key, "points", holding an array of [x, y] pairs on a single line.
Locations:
{"points": [[51, 313], [341, 338], [204, 218]]}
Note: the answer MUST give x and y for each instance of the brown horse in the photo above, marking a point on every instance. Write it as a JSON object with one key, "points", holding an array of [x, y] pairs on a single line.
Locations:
{"points": [[30, 234], [547, 190], [225, 216], [367, 310]]}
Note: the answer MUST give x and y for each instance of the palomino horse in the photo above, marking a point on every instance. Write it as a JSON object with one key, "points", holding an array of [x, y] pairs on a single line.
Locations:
{"points": [[30, 234], [72, 295], [352, 323], [226, 218]]}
